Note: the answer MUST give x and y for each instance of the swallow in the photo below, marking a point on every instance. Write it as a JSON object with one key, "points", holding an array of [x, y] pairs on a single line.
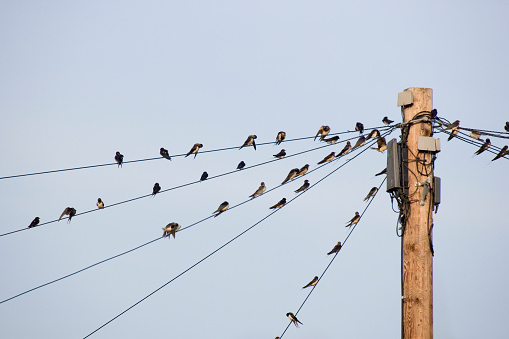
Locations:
{"points": [[327, 158], [156, 189], [294, 319], [223, 207], [164, 153], [502, 152], [451, 126], [259, 191], [303, 170], [71, 212], [292, 174], [280, 204], [332, 140], [371, 193], [100, 204], [250, 141], [434, 113], [359, 127], [34, 222], [484, 147], [475, 135], [280, 137], [204, 176], [454, 132], [346, 149], [506, 127], [386, 121], [384, 171], [373, 134], [194, 150], [119, 158], [354, 220], [359, 142], [382, 145], [336, 248], [312, 282], [171, 229], [241, 165], [304, 187], [281, 154], [322, 131]]}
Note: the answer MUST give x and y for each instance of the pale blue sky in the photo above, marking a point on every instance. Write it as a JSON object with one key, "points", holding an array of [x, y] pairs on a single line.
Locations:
{"points": [[82, 80]]}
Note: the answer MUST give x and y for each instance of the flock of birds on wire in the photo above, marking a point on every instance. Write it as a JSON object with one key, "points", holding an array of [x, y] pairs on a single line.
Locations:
{"points": [[173, 227]]}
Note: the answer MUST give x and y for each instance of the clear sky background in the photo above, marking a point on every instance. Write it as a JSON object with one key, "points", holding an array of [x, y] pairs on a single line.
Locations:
{"points": [[82, 80]]}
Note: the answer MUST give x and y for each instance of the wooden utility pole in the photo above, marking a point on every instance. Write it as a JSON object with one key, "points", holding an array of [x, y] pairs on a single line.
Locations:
{"points": [[417, 251]]}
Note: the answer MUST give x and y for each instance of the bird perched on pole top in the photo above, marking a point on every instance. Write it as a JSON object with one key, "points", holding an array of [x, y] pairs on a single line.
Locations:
{"points": [[359, 127], [194, 150], [322, 132], [386, 121], [280, 137], [164, 153], [119, 158], [250, 141]]}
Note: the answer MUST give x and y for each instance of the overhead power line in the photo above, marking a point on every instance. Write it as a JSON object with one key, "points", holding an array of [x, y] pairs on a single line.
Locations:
{"points": [[224, 245], [173, 156], [334, 257]]}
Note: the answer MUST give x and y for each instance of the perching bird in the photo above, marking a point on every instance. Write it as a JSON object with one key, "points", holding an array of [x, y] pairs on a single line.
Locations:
{"points": [[373, 134], [223, 207], [312, 282], [346, 149], [304, 186], [204, 176], [332, 140], [294, 319], [281, 154], [156, 189], [451, 126], [280, 137], [241, 165], [280, 204], [371, 193], [359, 142], [322, 131], [194, 150], [71, 212], [359, 127], [502, 152], [336, 248], [303, 170], [327, 158], [100, 203], [454, 132], [34, 222], [506, 127], [164, 153], [119, 158], [386, 121], [250, 141], [259, 191], [292, 174], [384, 171], [484, 147], [382, 145], [354, 220], [434, 113], [170, 229], [475, 135]]}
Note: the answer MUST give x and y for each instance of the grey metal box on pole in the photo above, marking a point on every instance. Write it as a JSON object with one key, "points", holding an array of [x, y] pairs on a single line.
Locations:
{"points": [[393, 166]]}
